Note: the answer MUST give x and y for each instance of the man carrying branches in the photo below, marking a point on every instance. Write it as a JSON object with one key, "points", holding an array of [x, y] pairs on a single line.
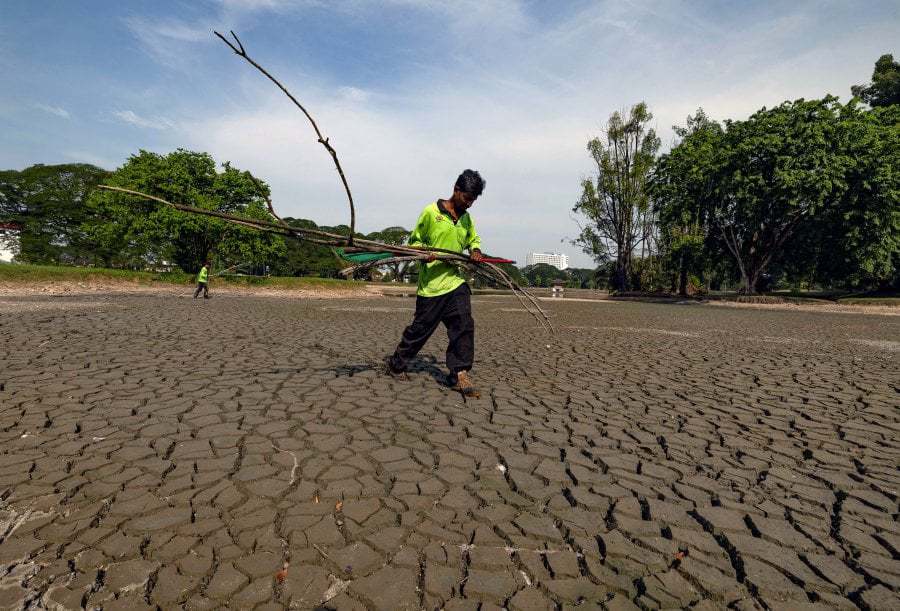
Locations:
{"points": [[443, 295]]}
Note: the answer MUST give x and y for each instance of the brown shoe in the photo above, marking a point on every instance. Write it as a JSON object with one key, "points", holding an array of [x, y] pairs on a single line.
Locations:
{"points": [[389, 369], [465, 386]]}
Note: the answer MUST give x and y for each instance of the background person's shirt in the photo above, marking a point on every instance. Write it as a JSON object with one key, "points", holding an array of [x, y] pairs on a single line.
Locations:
{"points": [[436, 228], [203, 276]]}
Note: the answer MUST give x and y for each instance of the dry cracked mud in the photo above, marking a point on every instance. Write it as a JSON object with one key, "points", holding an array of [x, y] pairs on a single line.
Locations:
{"points": [[242, 452]]}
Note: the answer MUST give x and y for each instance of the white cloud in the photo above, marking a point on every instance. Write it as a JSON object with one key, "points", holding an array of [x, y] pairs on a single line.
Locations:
{"points": [[54, 110], [156, 32], [129, 116], [353, 94], [257, 5], [164, 40]]}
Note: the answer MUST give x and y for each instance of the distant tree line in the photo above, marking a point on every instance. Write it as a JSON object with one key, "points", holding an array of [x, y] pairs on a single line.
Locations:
{"points": [[803, 194], [62, 219]]}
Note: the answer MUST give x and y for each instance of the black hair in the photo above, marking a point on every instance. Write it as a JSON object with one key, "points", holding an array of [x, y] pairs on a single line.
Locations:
{"points": [[470, 182]]}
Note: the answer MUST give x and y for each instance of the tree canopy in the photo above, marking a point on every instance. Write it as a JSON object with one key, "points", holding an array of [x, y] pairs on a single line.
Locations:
{"points": [[47, 203], [615, 203], [884, 90], [543, 274], [683, 187], [133, 233], [808, 189]]}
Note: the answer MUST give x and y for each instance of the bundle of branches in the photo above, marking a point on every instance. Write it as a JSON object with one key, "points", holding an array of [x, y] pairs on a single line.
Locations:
{"points": [[350, 243]]}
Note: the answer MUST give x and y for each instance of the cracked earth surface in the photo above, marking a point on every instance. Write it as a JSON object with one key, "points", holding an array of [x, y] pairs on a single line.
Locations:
{"points": [[161, 452]]}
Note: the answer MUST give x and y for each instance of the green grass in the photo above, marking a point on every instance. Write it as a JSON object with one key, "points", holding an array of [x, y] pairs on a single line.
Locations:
{"points": [[26, 273], [819, 295], [875, 298], [874, 301]]}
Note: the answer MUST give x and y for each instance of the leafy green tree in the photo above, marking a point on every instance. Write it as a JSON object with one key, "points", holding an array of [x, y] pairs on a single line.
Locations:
{"points": [[805, 193], [615, 203], [884, 90], [47, 203], [582, 278], [857, 244], [302, 258], [605, 274], [479, 282], [647, 274], [683, 188], [779, 169], [542, 274], [135, 233]]}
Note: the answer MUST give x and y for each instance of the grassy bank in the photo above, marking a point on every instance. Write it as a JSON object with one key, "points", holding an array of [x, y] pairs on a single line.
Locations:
{"points": [[872, 301], [873, 298], [16, 273], [811, 298]]}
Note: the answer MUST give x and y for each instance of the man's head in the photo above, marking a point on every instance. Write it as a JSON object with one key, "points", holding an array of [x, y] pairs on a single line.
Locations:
{"points": [[468, 187]]}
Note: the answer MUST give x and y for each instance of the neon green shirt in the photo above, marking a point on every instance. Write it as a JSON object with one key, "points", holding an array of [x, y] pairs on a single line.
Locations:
{"points": [[203, 276], [437, 229]]}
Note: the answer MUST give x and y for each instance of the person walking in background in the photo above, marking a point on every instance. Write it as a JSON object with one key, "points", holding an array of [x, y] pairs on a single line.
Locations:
{"points": [[203, 281], [443, 295]]}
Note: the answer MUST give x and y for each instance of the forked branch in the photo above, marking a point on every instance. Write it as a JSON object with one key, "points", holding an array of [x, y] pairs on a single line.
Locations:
{"points": [[404, 254], [238, 48]]}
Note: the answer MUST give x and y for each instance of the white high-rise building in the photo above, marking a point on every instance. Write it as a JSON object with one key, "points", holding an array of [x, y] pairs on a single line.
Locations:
{"points": [[557, 260]]}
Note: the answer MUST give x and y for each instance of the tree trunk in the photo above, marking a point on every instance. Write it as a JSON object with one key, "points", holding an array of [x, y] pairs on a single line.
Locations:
{"points": [[682, 276], [620, 283], [747, 285]]}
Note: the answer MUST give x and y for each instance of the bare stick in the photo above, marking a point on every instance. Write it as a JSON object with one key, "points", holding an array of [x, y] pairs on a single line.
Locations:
{"points": [[227, 269], [524, 305], [324, 555], [327, 238], [262, 192], [222, 215], [239, 50], [518, 288], [488, 271], [535, 310]]}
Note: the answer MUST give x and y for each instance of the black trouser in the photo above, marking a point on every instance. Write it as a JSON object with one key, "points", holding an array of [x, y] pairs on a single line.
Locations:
{"points": [[454, 309], [202, 286]]}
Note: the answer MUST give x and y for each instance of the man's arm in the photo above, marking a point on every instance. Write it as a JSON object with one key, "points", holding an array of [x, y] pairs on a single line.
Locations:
{"points": [[474, 242]]}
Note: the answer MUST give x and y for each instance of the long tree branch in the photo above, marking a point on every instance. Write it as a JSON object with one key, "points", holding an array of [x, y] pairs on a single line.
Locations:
{"points": [[239, 50], [404, 253]]}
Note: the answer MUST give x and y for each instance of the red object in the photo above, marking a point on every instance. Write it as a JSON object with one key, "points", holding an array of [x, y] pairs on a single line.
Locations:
{"points": [[496, 260]]}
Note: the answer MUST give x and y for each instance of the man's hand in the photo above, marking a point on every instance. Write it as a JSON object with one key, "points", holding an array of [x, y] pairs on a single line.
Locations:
{"points": [[476, 255]]}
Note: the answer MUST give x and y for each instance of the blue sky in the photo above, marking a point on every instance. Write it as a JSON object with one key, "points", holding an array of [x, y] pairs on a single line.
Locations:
{"points": [[411, 91]]}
